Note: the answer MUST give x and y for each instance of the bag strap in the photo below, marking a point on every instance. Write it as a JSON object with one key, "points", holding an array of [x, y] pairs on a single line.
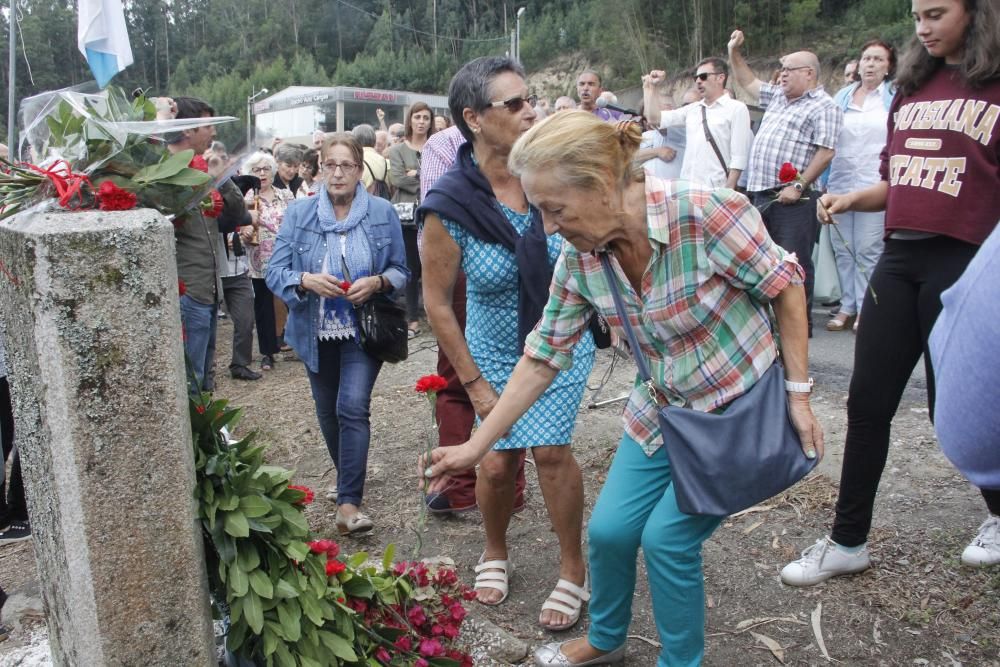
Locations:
{"points": [[711, 140], [637, 355]]}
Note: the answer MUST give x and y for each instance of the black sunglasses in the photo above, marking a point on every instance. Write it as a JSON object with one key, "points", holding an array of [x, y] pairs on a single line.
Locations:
{"points": [[704, 75], [514, 104]]}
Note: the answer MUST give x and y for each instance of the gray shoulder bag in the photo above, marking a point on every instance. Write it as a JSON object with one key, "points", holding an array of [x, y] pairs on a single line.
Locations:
{"points": [[725, 463]]}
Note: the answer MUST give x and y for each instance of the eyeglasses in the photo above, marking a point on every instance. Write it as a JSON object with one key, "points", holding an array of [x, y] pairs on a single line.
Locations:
{"points": [[261, 170], [346, 167], [792, 69], [515, 104], [704, 75]]}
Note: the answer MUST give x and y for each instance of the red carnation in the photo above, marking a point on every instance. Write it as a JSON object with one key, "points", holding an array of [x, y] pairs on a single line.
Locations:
{"points": [[328, 547], [181, 287], [212, 207], [430, 384], [308, 497], [334, 567], [199, 163], [110, 197], [345, 285], [787, 173]]}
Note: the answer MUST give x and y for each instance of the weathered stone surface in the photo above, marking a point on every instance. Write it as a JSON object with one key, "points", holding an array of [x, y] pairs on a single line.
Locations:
{"points": [[491, 644], [89, 301]]}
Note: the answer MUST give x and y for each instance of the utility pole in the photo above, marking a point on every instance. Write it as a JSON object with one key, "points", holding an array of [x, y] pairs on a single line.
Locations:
{"points": [[12, 72]]}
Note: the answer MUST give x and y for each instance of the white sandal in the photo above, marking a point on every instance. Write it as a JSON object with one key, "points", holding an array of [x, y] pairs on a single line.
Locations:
{"points": [[494, 574], [569, 603]]}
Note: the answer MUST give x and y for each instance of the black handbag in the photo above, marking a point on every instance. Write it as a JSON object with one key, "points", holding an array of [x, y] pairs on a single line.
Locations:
{"points": [[381, 326], [725, 463]]}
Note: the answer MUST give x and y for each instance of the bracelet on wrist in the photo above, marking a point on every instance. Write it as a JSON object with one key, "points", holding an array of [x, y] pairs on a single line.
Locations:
{"points": [[799, 387], [472, 381]]}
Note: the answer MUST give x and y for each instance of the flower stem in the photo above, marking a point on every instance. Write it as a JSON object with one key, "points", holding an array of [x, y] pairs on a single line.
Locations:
{"points": [[857, 264]]}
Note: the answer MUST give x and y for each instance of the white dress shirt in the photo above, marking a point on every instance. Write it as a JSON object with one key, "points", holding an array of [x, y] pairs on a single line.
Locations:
{"points": [[729, 122], [859, 146]]}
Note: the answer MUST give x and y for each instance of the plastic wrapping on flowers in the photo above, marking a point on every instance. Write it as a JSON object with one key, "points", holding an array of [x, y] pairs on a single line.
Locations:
{"points": [[294, 599], [77, 141]]}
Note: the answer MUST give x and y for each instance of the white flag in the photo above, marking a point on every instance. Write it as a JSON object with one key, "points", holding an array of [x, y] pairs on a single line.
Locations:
{"points": [[102, 37]]}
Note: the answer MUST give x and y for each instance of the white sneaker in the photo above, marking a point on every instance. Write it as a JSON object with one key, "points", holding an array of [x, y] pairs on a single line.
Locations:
{"points": [[984, 550], [822, 561]]}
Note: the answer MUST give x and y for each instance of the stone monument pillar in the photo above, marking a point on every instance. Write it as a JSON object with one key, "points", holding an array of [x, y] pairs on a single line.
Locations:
{"points": [[90, 304]]}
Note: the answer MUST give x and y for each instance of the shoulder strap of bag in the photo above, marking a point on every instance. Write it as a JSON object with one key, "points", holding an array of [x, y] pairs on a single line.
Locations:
{"points": [[640, 359], [711, 140]]}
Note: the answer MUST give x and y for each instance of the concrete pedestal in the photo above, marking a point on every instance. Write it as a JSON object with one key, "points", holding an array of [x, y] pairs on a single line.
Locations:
{"points": [[90, 305]]}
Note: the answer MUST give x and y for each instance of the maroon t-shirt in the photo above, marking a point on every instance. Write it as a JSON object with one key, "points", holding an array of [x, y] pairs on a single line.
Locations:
{"points": [[942, 159]]}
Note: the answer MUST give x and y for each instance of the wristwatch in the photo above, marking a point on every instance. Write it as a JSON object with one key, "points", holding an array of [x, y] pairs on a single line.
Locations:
{"points": [[798, 186], [299, 289], [799, 387]]}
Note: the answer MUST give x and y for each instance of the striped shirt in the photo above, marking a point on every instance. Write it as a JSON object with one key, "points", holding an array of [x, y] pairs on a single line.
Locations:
{"points": [[791, 132], [700, 319]]}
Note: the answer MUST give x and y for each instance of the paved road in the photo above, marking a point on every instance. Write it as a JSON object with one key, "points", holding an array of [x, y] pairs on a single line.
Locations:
{"points": [[831, 360]]}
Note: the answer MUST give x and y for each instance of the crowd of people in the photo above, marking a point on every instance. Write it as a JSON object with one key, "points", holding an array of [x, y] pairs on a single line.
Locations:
{"points": [[518, 227]]}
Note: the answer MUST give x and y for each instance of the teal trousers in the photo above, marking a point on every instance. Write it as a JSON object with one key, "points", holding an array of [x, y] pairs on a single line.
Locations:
{"points": [[637, 507]]}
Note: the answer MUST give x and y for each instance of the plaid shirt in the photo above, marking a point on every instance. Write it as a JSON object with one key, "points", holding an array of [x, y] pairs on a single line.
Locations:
{"points": [[790, 132], [700, 319]]}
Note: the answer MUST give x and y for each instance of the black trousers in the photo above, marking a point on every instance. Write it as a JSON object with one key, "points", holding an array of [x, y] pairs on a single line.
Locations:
{"points": [[263, 311], [13, 506], [795, 228], [413, 310], [907, 281]]}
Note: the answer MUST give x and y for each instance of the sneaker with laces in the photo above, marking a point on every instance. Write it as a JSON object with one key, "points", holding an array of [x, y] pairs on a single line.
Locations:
{"points": [[984, 550], [18, 531], [822, 561]]}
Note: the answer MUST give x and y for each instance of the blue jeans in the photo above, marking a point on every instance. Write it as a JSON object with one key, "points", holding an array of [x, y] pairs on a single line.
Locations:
{"points": [[637, 507], [862, 233], [198, 320], [342, 390]]}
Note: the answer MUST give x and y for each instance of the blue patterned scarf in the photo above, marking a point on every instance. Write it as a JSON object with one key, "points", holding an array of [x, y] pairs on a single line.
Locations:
{"points": [[337, 315]]}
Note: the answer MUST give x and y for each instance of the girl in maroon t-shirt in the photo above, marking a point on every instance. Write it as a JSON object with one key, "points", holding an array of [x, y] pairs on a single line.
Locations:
{"points": [[941, 193]]}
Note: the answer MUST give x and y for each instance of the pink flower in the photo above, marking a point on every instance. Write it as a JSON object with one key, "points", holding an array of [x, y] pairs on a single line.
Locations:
{"points": [[431, 648], [383, 656], [416, 615]]}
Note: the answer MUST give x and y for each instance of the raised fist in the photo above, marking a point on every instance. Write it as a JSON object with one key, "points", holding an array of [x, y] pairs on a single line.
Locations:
{"points": [[736, 40], [654, 78]]}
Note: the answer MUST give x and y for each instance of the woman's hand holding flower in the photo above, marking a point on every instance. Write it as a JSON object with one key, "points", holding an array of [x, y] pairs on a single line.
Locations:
{"points": [[828, 205], [322, 284], [441, 463], [363, 289]]}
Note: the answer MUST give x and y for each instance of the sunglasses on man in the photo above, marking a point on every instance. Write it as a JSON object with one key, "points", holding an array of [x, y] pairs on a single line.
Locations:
{"points": [[704, 75], [515, 104]]}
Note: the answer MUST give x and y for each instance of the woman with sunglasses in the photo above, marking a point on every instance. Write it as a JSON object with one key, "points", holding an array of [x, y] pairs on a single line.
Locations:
{"points": [[335, 251], [404, 172], [477, 220], [940, 190], [267, 210]]}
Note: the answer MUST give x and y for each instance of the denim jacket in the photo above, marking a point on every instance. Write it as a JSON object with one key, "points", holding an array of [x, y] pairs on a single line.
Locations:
{"points": [[300, 248]]}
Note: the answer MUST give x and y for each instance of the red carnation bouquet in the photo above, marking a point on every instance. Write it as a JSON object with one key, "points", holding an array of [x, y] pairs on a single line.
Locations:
{"points": [[429, 386]]}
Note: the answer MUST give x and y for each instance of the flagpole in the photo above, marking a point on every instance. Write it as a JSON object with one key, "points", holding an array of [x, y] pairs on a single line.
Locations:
{"points": [[11, 118]]}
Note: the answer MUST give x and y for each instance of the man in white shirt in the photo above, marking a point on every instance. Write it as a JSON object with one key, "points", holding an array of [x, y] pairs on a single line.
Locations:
{"points": [[661, 152], [727, 120]]}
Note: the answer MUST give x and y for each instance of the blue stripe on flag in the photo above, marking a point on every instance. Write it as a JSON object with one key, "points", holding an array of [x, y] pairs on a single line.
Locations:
{"points": [[103, 65]]}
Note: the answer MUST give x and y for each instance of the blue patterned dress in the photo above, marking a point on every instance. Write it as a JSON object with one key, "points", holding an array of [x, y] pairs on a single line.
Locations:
{"points": [[491, 331]]}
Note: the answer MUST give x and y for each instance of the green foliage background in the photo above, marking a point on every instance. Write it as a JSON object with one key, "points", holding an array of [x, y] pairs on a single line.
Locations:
{"points": [[220, 49]]}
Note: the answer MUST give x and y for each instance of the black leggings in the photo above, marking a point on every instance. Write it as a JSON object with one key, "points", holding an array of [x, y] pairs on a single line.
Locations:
{"points": [[907, 281], [263, 311]]}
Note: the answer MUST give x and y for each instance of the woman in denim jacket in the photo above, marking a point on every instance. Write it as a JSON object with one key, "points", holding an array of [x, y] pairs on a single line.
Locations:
{"points": [[342, 226]]}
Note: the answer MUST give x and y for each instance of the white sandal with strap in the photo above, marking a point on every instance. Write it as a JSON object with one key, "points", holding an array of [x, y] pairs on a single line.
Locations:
{"points": [[494, 574], [569, 603]]}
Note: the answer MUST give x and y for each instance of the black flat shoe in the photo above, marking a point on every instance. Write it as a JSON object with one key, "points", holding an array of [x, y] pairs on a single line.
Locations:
{"points": [[244, 373]]}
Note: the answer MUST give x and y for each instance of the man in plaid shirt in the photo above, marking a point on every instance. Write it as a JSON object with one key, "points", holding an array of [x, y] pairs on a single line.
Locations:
{"points": [[800, 126]]}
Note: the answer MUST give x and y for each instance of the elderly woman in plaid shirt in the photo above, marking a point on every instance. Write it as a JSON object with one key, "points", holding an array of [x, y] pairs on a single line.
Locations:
{"points": [[695, 267]]}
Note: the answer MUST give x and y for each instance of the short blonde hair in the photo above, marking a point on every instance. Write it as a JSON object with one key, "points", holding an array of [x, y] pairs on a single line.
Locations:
{"points": [[582, 148]]}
